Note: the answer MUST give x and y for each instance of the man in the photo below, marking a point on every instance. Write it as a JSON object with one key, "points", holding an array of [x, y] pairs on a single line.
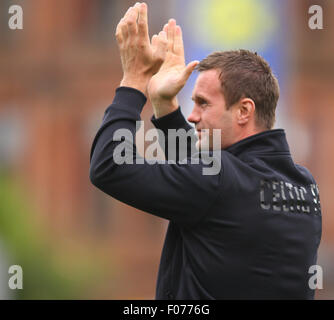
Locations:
{"points": [[249, 232]]}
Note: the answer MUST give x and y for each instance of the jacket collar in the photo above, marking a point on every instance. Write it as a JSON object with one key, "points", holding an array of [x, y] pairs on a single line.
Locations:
{"points": [[270, 141]]}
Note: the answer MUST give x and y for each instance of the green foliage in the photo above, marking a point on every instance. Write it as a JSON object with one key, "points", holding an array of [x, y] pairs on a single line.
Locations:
{"points": [[46, 274]]}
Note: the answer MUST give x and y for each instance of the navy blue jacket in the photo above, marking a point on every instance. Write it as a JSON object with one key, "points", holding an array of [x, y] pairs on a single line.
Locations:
{"points": [[250, 232]]}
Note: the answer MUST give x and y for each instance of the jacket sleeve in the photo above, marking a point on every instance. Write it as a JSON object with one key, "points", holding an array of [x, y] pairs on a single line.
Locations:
{"points": [[175, 122], [179, 192]]}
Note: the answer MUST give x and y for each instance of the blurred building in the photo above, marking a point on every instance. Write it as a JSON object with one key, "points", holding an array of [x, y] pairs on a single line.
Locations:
{"points": [[57, 77], [311, 99]]}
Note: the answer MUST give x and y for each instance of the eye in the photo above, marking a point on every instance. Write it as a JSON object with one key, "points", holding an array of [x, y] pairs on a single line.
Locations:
{"points": [[202, 103]]}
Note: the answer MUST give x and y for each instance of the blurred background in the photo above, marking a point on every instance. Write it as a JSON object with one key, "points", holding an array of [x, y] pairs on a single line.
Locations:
{"points": [[59, 74]]}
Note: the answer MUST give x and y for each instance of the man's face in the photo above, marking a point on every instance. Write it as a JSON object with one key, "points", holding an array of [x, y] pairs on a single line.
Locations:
{"points": [[210, 111]]}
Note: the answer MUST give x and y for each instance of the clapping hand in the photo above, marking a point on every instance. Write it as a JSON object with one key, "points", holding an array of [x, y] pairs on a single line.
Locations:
{"points": [[173, 74], [141, 59]]}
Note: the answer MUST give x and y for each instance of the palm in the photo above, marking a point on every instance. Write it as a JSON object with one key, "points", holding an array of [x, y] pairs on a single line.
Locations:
{"points": [[168, 81], [173, 74]]}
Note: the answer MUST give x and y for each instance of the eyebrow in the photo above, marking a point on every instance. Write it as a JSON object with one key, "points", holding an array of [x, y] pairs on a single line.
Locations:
{"points": [[198, 97]]}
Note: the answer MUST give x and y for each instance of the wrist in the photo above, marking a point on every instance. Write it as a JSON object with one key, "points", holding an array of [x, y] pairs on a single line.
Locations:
{"points": [[139, 83], [162, 107]]}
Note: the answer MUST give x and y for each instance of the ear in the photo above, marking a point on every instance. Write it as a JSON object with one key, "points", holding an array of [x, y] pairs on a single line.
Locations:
{"points": [[245, 111]]}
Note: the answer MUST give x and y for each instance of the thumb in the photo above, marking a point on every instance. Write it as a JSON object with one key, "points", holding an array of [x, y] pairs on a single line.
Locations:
{"points": [[189, 69]]}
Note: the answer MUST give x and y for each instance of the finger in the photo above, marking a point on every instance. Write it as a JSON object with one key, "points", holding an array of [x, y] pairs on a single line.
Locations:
{"points": [[120, 29], [131, 22], [163, 36], [154, 40], [127, 13], [160, 46], [124, 29], [118, 34], [142, 22], [165, 28], [160, 40], [170, 34], [178, 42], [137, 6], [189, 69]]}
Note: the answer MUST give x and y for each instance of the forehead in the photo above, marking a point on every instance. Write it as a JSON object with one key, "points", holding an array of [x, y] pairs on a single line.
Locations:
{"points": [[208, 84]]}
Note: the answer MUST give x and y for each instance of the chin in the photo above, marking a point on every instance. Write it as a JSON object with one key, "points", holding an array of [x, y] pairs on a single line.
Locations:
{"points": [[198, 145], [203, 144]]}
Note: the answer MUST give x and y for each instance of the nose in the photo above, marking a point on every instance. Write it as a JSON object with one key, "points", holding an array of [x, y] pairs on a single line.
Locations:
{"points": [[195, 116]]}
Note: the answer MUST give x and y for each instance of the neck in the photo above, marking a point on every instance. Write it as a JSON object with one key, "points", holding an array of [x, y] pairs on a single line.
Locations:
{"points": [[250, 132], [244, 133]]}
